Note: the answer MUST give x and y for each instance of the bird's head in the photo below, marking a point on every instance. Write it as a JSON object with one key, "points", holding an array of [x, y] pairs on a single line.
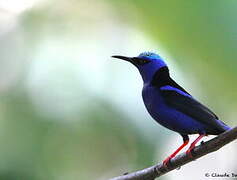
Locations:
{"points": [[147, 63]]}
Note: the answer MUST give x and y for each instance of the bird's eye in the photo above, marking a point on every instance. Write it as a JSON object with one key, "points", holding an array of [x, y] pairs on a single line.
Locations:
{"points": [[142, 61]]}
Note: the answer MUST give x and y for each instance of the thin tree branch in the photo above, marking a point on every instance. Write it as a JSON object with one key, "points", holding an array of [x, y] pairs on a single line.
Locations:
{"points": [[205, 148]]}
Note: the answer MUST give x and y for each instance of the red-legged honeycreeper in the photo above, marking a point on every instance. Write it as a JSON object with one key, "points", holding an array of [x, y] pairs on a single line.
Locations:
{"points": [[171, 105]]}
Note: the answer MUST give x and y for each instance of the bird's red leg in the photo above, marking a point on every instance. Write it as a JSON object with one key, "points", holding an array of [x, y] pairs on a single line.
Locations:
{"points": [[166, 161], [188, 152]]}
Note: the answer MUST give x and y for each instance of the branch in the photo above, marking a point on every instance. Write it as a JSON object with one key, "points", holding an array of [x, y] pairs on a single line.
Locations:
{"points": [[205, 148]]}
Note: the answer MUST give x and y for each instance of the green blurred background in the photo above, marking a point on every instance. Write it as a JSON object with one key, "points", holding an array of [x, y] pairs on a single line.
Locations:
{"points": [[68, 111]]}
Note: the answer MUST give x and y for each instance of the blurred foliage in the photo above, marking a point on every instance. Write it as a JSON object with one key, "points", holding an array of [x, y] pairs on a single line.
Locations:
{"points": [[51, 150], [60, 122]]}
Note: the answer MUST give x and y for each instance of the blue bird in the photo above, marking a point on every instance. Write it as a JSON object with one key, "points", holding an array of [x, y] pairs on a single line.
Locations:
{"points": [[171, 105]]}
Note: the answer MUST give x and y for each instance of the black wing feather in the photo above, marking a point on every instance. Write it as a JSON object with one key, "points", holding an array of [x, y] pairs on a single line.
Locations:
{"points": [[185, 104], [194, 109]]}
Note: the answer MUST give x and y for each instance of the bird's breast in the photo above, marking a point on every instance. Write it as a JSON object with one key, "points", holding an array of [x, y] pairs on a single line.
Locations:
{"points": [[152, 99]]}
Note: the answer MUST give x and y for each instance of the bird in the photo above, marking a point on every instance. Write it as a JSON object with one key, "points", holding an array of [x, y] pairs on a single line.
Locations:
{"points": [[171, 105]]}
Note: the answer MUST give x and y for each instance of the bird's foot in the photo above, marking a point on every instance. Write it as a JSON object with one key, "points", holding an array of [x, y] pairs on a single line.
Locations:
{"points": [[166, 162], [189, 153], [190, 149]]}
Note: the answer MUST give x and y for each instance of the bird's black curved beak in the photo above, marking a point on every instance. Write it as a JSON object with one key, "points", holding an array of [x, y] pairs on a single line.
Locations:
{"points": [[123, 58]]}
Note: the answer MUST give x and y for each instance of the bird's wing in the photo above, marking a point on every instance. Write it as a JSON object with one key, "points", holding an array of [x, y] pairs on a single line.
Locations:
{"points": [[185, 103]]}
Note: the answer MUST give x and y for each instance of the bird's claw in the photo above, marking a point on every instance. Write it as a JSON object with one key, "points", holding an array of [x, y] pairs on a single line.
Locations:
{"points": [[166, 162], [189, 153]]}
